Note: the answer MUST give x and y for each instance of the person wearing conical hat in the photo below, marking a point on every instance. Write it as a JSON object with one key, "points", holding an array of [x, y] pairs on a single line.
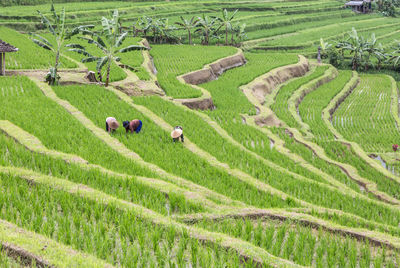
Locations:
{"points": [[111, 124], [134, 125], [177, 133]]}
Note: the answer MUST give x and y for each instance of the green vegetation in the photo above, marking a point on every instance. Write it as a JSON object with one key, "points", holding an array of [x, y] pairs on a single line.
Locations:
{"points": [[303, 245], [172, 61], [29, 55], [285, 162]]}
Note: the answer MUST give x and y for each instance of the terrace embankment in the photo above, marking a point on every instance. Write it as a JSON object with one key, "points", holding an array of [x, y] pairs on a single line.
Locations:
{"points": [[22, 256], [374, 237], [264, 85], [208, 73], [267, 83]]}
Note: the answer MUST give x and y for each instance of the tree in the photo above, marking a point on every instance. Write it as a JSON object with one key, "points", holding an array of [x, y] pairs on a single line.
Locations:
{"points": [[394, 57], [188, 25], [166, 31], [325, 47], [238, 32], [108, 42], [206, 27], [60, 34], [226, 23], [355, 45], [372, 48]]}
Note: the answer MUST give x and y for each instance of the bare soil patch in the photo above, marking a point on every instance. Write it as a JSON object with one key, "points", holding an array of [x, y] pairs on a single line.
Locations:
{"points": [[269, 121], [270, 82], [214, 70], [23, 256]]}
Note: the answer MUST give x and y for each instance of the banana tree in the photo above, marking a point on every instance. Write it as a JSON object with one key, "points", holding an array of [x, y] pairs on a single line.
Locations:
{"points": [[108, 41], [60, 34], [206, 26], [226, 23], [394, 57], [325, 46], [238, 33], [372, 48], [188, 25], [166, 31], [356, 45]]}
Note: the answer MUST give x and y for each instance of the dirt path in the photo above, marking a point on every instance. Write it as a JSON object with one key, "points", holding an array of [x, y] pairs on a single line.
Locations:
{"points": [[294, 101], [374, 237], [244, 249], [350, 171], [237, 173], [123, 150], [45, 252], [33, 144]]}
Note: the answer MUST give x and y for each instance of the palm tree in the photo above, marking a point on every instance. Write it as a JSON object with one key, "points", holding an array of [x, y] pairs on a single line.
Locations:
{"points": [[188, 25], [206, 27], [59, 34], [108, 42], [226, 22]]}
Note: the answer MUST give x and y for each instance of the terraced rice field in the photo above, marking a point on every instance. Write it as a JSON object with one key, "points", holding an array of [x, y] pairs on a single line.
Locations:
{"points": [[286, 162]]}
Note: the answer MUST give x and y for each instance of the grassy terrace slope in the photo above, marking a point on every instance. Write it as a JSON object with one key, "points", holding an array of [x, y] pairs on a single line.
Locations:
{"points": [[369, 110], [29, 56], [277, 24], [278, 173], [228, 115]]}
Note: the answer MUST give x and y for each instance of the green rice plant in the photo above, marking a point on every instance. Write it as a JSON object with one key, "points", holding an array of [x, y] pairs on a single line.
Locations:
{"points": [[154, 145], [311, 108], [8, 261], [102, 230], [368, 111], [128, 189], [233, 107], [47, 117], [305, 245], [29, 55], [172, 61]]}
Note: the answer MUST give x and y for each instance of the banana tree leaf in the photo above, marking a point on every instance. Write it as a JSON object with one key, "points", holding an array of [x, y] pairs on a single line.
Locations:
{"points": [[101, 62], [47, 22], [90, 59], [75, 46], [131, 48], [42, 39], [41, 44], [120, 39], [81, 51]]}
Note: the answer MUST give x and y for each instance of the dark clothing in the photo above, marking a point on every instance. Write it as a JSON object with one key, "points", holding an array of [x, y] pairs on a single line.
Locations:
{"points": [[134, 125], [108, 128], [181, 136]]}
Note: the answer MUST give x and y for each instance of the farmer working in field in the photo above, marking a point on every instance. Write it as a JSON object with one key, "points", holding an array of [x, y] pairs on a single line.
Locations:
{"points": [[111, 124], [134, 125], [177, 133]]}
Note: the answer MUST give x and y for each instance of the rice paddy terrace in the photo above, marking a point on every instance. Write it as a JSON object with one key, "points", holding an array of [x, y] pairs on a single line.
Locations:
{"points": [[286, 162]]}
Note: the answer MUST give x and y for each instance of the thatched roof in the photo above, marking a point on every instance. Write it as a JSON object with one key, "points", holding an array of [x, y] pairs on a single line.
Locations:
{"points": [[5, 47]]}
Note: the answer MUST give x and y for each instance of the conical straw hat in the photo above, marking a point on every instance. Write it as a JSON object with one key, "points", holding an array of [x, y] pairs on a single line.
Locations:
{"points": [[176, 133], [114, 124]]}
